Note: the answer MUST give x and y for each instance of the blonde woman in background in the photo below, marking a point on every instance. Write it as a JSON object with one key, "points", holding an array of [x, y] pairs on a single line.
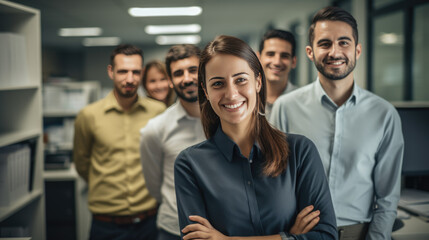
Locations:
{"points": [[156, 84]]}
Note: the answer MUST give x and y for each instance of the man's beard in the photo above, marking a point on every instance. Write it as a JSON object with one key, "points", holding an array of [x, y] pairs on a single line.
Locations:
{"points": [[127, 94], [181, 95], [336, 74]]}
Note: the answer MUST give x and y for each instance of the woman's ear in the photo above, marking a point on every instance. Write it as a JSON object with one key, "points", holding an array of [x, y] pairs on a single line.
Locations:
{"points": [[258, 83]]}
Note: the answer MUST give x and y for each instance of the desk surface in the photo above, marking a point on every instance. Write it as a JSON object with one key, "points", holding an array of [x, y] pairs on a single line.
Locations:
{"points": [[61, 175], [414, 229]]}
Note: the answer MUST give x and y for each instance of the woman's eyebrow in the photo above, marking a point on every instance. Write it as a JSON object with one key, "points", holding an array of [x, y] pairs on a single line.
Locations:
{"points": [[213, 78], [237, 74], [240, 74]]}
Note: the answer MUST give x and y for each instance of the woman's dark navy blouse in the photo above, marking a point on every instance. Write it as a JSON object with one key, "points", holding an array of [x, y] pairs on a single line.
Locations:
{"points": [[215, 181]]}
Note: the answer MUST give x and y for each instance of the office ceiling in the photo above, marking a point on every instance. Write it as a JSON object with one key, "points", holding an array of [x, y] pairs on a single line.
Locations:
{"points": [[241, 18]]}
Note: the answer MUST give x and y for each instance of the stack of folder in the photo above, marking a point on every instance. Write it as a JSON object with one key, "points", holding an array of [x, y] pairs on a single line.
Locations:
{"points": [[14, 173]]}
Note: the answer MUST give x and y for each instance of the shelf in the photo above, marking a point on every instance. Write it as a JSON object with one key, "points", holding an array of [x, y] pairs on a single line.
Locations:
{"points": [[412, 104], [18, 88], [64, 146], [21, 116], [53, 114], [24, 238], [61, 175], [8, 211], [15, 137], [10, 7]]}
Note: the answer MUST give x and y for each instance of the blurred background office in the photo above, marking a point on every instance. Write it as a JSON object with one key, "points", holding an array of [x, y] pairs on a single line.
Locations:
{"points": [[393, 34], [393, 65]]}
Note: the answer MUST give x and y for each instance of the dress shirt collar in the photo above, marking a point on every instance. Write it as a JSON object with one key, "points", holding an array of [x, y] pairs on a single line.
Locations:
{"points": [[229, 148], [112, 103], [181, 112], [320, 93]]}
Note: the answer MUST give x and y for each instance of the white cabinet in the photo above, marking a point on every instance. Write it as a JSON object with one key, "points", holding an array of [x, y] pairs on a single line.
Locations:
{"points": [[21, 120]]}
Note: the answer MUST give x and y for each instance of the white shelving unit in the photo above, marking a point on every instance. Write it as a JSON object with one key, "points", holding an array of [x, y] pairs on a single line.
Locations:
{"points": [[59, 114], [21, 118]]}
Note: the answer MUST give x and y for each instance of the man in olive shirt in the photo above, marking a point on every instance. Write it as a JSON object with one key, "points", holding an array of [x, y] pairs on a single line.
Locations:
{"points": [[106, 153]]}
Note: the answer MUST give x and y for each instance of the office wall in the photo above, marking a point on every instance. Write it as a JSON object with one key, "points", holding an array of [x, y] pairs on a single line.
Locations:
{"points": [[359, 11], [96, 60], [62, 63]]}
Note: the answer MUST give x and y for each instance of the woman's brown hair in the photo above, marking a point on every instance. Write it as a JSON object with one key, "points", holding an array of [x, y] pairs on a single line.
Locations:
{"points": [[161, 67], [271, 141]]}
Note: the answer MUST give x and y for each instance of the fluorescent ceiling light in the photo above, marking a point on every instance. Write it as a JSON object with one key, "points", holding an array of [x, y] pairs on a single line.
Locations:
{"points": [[164, 12], [101, 41], [80, 32], [168, 29], [178, 39], [390, 38]]}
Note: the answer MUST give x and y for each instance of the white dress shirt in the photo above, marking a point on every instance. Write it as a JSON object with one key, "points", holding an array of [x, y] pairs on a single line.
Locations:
{"points": [[162, 139]]}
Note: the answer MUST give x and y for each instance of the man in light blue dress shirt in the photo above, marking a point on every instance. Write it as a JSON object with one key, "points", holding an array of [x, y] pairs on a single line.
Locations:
{"points": [[357, 133]]}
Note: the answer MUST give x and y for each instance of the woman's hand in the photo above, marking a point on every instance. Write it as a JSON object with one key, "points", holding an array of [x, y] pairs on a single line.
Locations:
{"points": [[305, 220], [202, 230]]}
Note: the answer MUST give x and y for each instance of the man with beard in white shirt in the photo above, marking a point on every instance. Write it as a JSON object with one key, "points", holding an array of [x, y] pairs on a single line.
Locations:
{"points": [[165, 136]]}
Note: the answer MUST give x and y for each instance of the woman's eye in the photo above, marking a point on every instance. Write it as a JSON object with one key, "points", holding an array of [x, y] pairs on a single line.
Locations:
{"points": [[217, 84], [240, 80]]}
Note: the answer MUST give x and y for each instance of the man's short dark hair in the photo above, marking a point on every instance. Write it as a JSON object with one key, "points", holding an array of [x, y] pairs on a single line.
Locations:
{"points": [[179, 52], [277, 33], [333, 14], [126, 49]]}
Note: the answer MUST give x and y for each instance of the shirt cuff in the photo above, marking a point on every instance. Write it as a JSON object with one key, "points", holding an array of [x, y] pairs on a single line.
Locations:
{"points": [[285, 236]]}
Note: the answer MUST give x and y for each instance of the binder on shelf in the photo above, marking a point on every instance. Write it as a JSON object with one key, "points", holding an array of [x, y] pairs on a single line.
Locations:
{"points": [[14, 173], [13, 60]]}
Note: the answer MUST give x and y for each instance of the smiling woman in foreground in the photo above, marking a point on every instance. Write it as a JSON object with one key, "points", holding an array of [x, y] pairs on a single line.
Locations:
{"points": [[248, 179]]}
